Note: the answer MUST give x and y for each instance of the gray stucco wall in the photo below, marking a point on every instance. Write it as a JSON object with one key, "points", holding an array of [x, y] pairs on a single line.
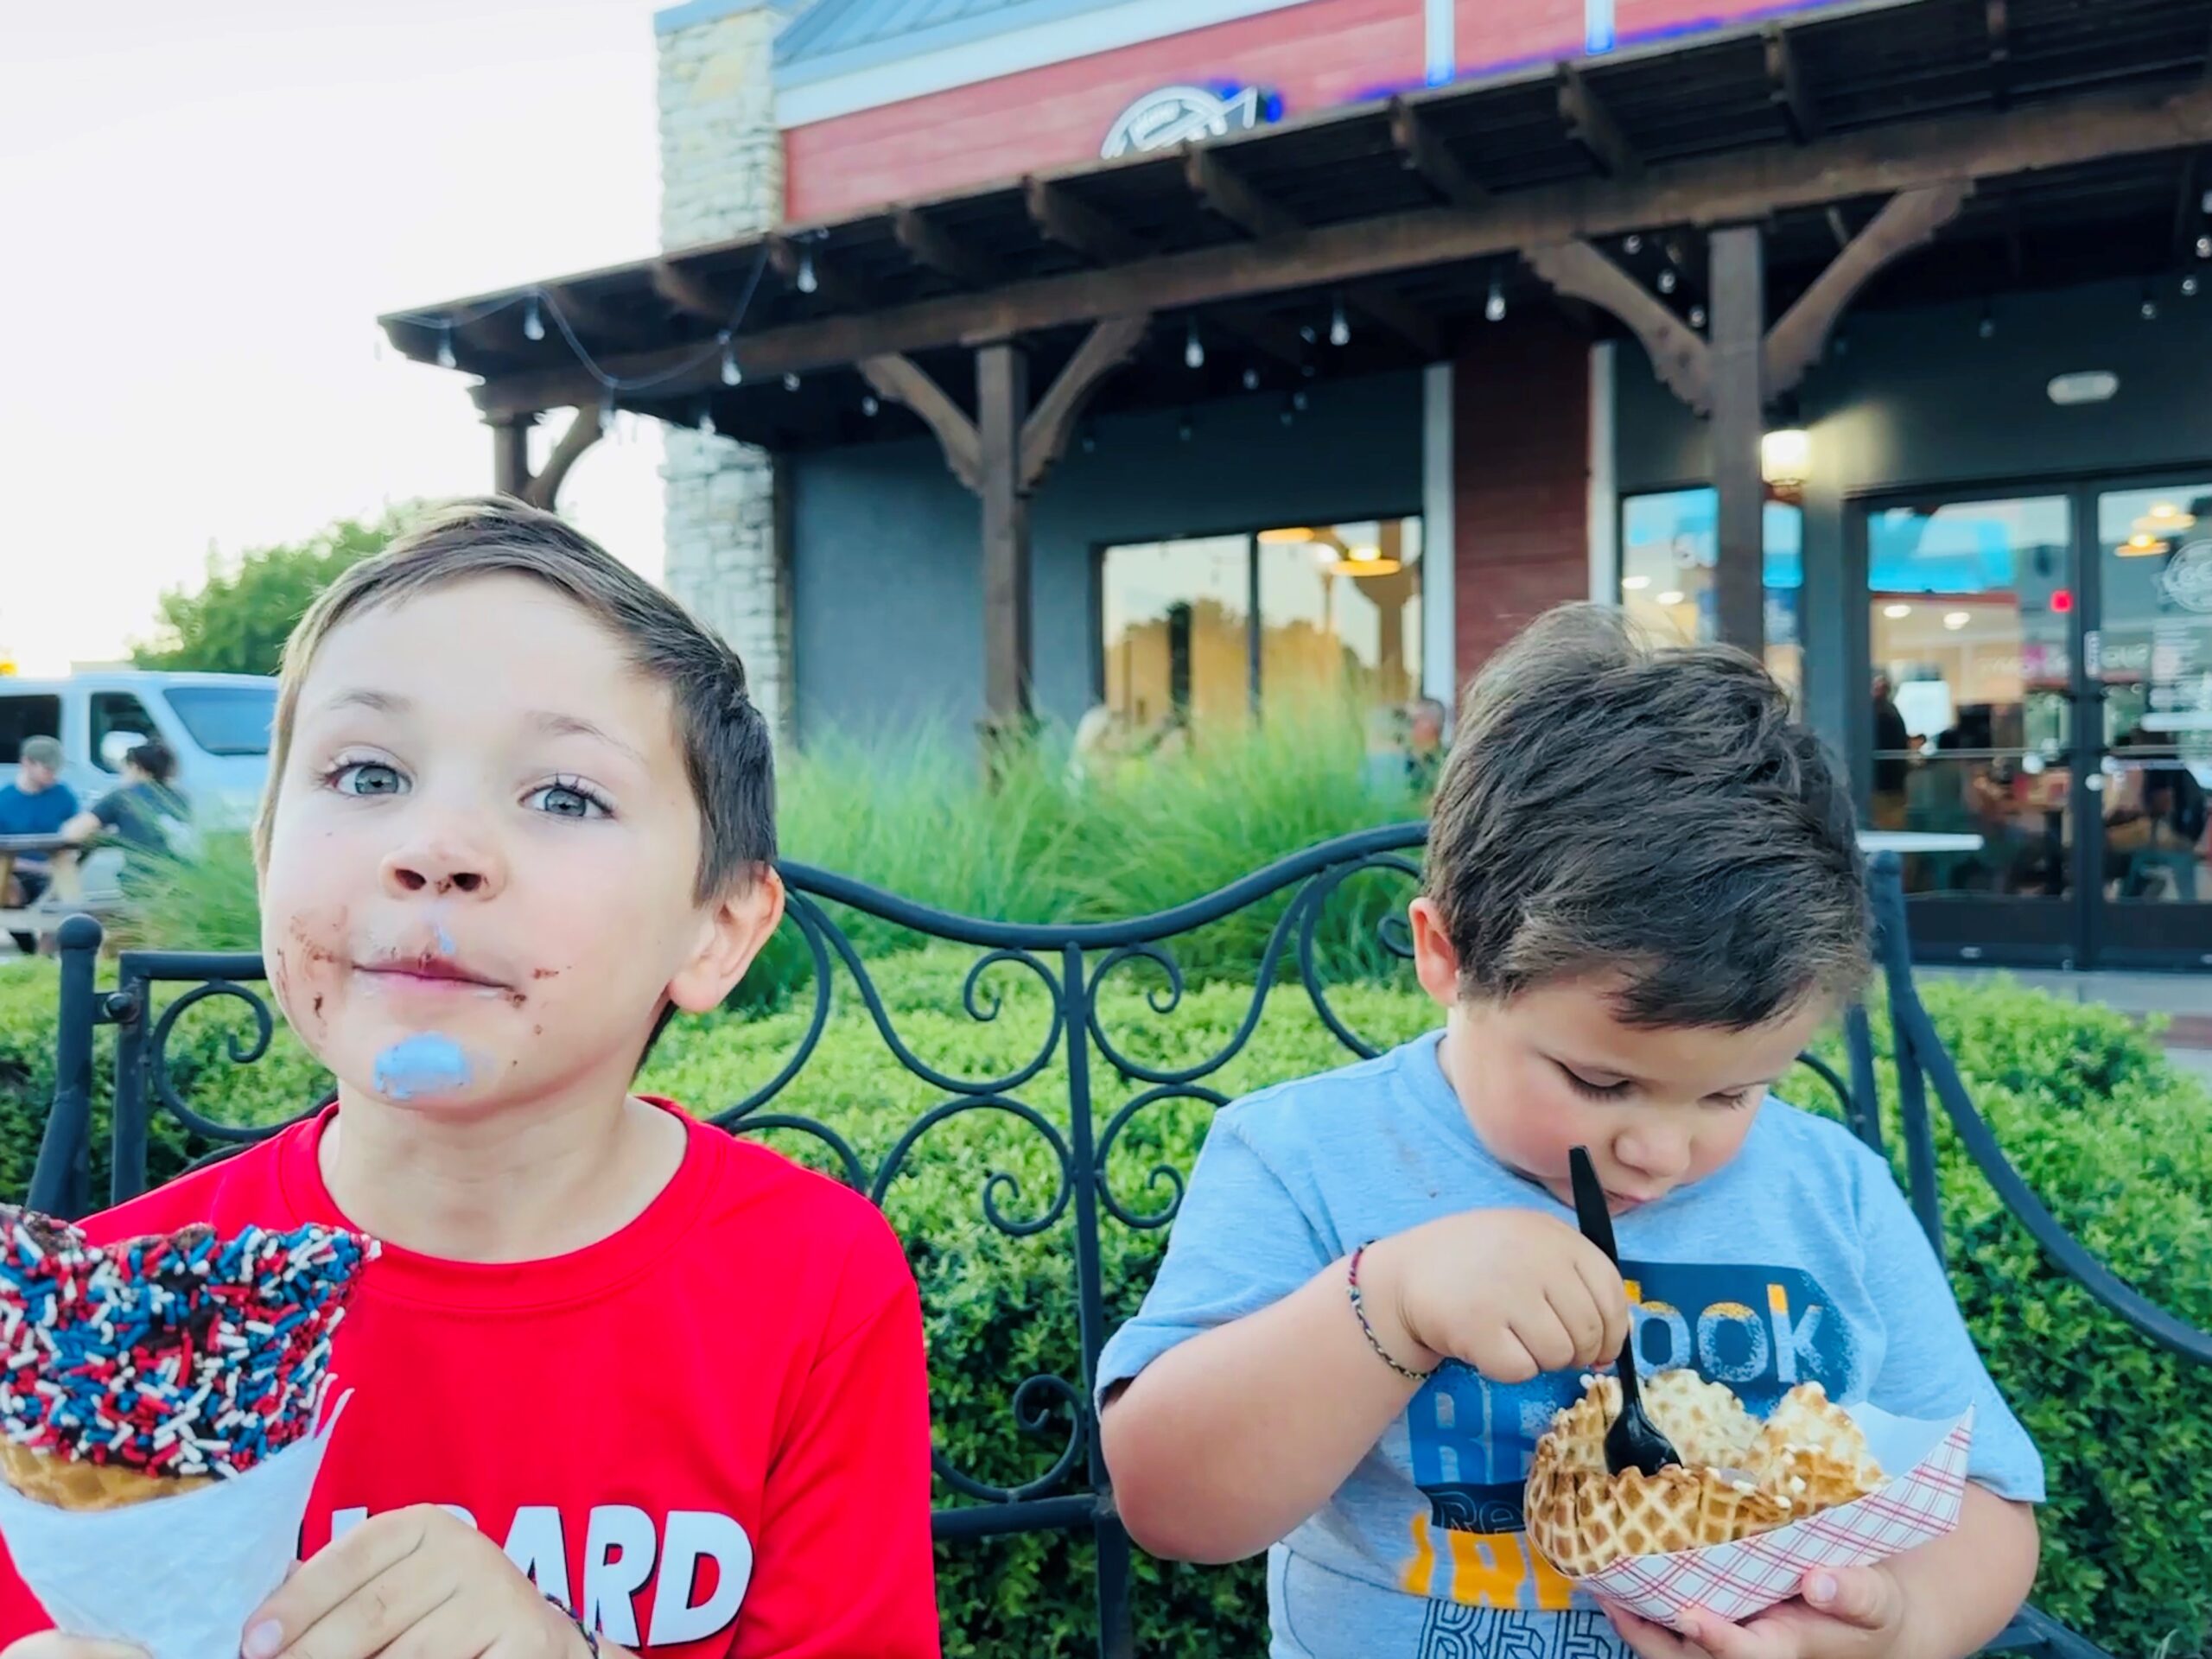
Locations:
{"points": [[1919, 397], [887, 548]]}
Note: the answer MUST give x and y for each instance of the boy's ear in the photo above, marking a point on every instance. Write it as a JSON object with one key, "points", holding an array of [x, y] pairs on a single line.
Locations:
{"points": [[733, 931], [1434, 960]]}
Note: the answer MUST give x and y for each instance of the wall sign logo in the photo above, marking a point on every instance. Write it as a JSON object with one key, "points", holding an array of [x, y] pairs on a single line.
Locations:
{"points": [[2187, 579], [1174, 115]]}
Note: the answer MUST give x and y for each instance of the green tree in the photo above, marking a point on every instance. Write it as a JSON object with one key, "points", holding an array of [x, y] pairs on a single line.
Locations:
{"points": [[236, 622]]}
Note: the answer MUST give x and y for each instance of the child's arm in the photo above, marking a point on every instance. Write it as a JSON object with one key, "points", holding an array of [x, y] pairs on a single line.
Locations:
{"points": [[1943, 1600], [1227, 1441]]}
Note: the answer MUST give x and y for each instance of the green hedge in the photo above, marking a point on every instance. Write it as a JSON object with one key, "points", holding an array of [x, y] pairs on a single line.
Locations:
{"points": [[2112, 1137]]}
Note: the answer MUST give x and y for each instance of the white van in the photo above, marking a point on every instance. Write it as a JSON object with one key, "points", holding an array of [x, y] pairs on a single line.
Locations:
{"points": [[217, 725]]}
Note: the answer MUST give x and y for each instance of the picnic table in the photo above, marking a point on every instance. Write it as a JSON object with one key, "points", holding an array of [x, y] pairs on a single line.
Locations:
{"points": [[65, 896]]}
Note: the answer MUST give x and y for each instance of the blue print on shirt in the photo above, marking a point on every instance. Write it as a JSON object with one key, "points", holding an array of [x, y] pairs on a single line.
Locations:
{"points": [[1762, 1331]]}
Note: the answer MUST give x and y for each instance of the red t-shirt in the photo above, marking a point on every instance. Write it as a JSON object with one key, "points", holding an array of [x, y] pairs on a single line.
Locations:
{"points": [[708, 1434]]}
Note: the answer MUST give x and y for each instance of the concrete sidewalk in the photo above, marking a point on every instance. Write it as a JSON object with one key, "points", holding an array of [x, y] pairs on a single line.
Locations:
{"points": [[2184, 1001]]}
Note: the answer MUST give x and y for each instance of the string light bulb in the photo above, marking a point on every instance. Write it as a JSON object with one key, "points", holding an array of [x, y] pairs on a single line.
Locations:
{"points": [[1251, 379], [808, 282], [1987, 327], [1194, 349], [446, 359], [2149, 308], [1666, 281], [706, 422], [533, 325], [732, 375], [2204, 247], [2188, 287], [606, 412], [791, 383], [1493, 308], [870, 407], [1632, 245], [1339, 326], [1697, 316]]}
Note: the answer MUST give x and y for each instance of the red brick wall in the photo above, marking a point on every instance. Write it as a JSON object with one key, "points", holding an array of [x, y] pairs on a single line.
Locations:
{"points": [[1316, 56], [1521, 479]]}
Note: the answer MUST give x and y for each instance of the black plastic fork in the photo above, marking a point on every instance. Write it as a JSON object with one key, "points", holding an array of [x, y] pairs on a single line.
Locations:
{"points": [[1634, 1440]]}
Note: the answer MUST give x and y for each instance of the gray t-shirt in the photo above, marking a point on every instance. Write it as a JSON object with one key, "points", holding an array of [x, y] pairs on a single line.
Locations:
{"points": [[1799, 1261]]}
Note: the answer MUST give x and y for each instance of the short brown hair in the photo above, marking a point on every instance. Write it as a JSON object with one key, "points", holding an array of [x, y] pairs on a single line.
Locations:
{"points": [[727, 753], [1656, 812]]}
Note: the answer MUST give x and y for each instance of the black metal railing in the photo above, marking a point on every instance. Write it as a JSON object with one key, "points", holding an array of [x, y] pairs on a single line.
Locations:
{"points": [[1071, 962]]}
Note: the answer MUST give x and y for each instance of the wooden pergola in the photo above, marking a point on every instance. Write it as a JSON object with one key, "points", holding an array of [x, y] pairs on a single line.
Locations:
{"points": [[1723, 201]]}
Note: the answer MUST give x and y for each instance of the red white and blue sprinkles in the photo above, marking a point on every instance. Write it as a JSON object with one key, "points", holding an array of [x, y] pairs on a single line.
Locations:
{"points": [[188, 1355]]}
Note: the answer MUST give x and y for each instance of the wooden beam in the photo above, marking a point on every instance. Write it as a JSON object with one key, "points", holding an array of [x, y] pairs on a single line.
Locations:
{"points": [[1718, 189], [1740, 394], [1591, 125], [585, 316], [1045, 433], [1997, 15], [1061, 216], [1225, 192], [902, 380], [1908, 220], [691, 294], [584, 430], [930, 245], [1002, 405], [1678, 353], [1785, 76], [1424, 154], [510, 453]]}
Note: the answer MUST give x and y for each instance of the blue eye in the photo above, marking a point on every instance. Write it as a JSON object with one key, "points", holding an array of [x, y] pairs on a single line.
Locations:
{"points": [[570, 799], [366, 778]]}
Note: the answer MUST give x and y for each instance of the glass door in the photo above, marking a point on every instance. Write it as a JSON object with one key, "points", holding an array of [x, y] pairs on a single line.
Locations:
{"points": [[1971, 626], [2150, 665]]}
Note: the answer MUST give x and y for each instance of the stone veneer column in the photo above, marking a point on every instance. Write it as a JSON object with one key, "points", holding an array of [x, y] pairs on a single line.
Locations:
{"points": [[721, 168]]}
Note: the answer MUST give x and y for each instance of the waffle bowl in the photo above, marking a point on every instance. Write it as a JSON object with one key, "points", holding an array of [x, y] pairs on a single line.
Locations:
{"points": [[1753, 1507], [64, 1483]]}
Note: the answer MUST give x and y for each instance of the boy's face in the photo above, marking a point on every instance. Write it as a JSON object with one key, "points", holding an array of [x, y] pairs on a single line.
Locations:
{"points": [[1555, 1068], [479, 880]]}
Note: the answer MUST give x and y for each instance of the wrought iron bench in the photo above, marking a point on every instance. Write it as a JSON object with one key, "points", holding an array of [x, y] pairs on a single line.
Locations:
{"points": [[1074, 1494]]}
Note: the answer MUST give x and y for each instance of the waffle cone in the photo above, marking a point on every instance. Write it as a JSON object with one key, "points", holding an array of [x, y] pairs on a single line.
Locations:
{"points": [[1738, 1478], [67, 1484]]}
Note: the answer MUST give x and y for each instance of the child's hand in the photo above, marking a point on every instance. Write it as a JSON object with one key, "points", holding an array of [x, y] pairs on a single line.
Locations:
{"points": [[416, 1580], [1845, 1612], [1509, 1292]]}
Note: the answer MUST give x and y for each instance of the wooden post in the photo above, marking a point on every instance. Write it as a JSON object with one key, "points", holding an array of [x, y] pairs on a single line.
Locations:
{"points": [[510, 453], [1738, 418], [1002, 405]]}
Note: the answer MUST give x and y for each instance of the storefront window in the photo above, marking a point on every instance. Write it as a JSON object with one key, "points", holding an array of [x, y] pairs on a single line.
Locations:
{"points": [[1206, 631], [1669, 546], [1971, 627]]}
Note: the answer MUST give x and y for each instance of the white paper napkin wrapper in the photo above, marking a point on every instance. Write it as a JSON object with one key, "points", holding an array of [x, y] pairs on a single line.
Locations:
{"points": [[1734, 1582], [178, 1576]]}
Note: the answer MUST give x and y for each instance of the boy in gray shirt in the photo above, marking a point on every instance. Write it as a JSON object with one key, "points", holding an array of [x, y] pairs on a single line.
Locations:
{"points": [[1643, 897]]}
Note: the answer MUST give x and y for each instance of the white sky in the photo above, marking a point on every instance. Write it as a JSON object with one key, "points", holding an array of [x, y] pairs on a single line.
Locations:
{"points": [[203, 207]]}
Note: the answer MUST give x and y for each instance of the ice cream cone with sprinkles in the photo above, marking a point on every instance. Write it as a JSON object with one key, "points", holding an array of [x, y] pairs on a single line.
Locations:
{"points": [[150, 1392]]}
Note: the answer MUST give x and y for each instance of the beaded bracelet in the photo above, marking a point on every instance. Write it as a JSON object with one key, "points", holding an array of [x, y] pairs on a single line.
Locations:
{"points": [[591, 1642], [1359, 1308]]}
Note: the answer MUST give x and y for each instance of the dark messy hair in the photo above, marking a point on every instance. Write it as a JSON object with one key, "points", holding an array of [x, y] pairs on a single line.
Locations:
{"points": [[1611, 807], [725, 742]]}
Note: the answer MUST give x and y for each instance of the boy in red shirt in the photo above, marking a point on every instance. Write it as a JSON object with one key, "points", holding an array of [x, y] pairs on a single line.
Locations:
{"points": [[620, 1383]]}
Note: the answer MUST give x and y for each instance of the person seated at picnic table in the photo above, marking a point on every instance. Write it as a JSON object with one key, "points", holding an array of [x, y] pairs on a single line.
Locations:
{"points": [[37, 803], [136, 811]]}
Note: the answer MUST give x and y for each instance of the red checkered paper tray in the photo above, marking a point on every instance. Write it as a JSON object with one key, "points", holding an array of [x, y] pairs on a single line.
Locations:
{"points": [[1734, 1582]]}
